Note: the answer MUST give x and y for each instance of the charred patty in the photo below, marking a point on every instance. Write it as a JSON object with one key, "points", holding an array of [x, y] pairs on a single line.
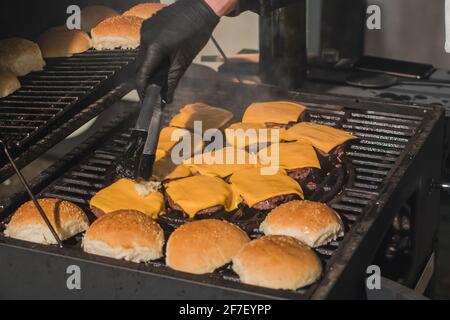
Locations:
{"points": [[207, 211], [274, 202]]}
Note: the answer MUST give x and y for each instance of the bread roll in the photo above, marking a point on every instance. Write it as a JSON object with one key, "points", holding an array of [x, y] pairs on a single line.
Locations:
{"points": [[28, 225], [144, 10], [8, 83], [313, 223], [122, 32], [277, 262], [202, 246], [91, 16], [61, 42], [125, 234], [20, 56]]}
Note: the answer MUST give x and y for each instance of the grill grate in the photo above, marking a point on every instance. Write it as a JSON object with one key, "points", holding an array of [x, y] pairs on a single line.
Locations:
{"points": [[387, 139], [59, 90]]}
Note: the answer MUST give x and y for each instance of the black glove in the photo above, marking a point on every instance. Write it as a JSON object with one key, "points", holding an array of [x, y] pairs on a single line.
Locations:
{"points": [[170, 41], [246, 5], [259, 6]]}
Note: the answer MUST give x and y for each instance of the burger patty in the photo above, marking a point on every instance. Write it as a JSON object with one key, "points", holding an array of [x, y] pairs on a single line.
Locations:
{"points": [[299, 174], [271, 125], [97, 212], [308, 178], [206, 211], [274, 202]]}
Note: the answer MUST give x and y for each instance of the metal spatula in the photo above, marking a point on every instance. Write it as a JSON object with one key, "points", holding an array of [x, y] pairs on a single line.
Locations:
{"points": [[138, 161]]}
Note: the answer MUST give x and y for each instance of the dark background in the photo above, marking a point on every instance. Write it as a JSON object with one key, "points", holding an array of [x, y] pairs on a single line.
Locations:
{"points": [[29, 18]]}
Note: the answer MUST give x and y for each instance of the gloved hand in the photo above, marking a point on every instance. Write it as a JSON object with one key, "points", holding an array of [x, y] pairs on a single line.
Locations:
{"points": [[259, 6], [246, 5], [170, 41]]}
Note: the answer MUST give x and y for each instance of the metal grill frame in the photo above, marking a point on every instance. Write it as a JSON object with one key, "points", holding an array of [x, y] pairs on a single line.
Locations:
{"points": [[345, 272], [65, 87]]}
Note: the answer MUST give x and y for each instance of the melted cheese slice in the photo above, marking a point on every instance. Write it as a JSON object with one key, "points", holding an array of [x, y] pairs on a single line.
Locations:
{"points": [[322, 137], [222, 163], [198, 193], [164, 168], [241, 135], [211, 117], [292, 155], [281, 112], [181, 171], [123, 195], [170, 136], [254, 187]]}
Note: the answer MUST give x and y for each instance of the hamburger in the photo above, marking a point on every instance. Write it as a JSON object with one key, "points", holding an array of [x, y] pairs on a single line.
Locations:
{"points": [[251, 135], [327, 140], [201, 195], [299, 159], [202, 246], [279, 114], [265, 192], [125, 234], [210, 117], [126, 194], [221, 163], [165, 168], [67, 219], [277, 262], [313, 223]]}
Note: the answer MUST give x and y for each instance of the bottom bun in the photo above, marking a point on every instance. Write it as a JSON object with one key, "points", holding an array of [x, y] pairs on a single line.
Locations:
{"points": [[137, 254], [111, 43], [66, 218], [277, 262]]}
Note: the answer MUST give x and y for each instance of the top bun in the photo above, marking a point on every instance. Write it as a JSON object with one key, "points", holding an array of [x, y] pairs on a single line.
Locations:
{"points": [[62, 42], [144, 10], [313, 223], [277, 262], [91, 16], [20, 56], [125, 234], [202, 246]]}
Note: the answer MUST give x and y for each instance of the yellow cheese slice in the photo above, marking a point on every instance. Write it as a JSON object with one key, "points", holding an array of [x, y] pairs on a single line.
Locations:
{"points": [[292, 155], [281, 112], [123, 195], [242, 135], [222, 163], [164, 167], [211, 117], [254, 187], [166, 143], [181, 171], [322, 137], [198, 193]]}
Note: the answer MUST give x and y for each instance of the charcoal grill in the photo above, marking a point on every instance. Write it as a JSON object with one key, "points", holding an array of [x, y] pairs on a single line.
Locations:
{"points": [[50, 98], [395, 160]]}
